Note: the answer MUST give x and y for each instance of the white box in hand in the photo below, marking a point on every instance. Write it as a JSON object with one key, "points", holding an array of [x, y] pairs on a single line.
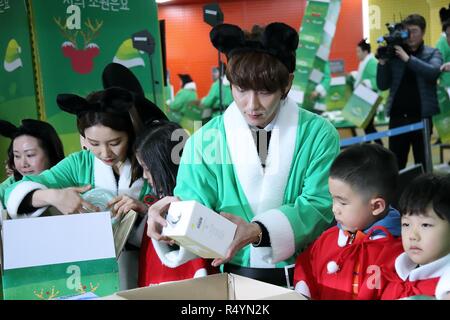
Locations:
{"points": [[199, 229]]}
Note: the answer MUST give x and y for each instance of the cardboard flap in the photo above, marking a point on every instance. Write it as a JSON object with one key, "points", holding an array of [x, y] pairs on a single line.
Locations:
{"points": [[212, 287], [58, 239], [122, 230]]}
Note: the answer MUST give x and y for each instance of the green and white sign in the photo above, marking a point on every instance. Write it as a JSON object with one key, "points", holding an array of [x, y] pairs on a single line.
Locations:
{"points": [[76, 39]]}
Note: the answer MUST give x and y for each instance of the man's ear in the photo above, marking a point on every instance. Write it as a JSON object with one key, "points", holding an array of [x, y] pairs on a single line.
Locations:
{"points": [[378, 206], [288, 87]]}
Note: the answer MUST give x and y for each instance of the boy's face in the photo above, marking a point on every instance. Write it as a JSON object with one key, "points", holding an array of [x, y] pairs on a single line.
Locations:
{"points": [[350, 209], [425, 238]]}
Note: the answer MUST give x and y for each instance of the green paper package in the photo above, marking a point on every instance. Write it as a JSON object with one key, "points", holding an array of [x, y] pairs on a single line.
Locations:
{"points": [[442, 120], [58, 257], [338, 94], [361, 106]]}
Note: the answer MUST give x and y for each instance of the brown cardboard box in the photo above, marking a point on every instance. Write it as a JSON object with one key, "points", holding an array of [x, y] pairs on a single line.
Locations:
{"points": [[222, 286]]}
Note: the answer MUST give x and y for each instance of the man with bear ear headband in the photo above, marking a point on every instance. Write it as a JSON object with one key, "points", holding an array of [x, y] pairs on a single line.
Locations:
{"points": [[265, 161]]}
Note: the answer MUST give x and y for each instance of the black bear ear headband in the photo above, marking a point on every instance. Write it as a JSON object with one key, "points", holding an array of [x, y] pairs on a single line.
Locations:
{"points": [[444, 14], [32, 127], [277, 39], [113, 100]]}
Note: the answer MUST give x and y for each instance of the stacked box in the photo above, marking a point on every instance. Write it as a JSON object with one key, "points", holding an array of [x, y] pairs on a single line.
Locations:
{"points": [[361, 106], [338, 94], [316, 35]]}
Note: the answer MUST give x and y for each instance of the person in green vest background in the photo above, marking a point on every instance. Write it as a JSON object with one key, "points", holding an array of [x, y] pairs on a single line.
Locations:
{"points": [[187, 94], [367, 76], [212, 99], [443, 45]]}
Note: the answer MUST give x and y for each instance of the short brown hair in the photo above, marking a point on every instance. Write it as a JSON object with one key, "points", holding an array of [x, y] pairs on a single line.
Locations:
{"points": [[257, 71]]}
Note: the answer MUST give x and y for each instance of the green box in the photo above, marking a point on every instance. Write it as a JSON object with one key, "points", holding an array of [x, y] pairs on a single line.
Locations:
{"points": [[58, 257], [338, 94], [317, 9], [361, 106]]}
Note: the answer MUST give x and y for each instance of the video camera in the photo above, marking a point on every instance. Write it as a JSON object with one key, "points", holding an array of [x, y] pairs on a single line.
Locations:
{"points": [[397, 36]]}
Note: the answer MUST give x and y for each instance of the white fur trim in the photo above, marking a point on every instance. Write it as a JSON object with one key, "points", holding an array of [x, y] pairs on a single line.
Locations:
{"points": [[18, 194], [225, 81], [342, 238], [332, 267], [362, 65], [407, 269], [172, 258], [302, 288], [190, 86], [281, 238], [200, 273], [264, 189], [443, 286], [321, 90], [104, 176]]}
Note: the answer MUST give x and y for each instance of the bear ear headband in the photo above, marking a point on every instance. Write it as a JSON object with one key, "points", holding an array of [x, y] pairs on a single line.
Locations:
{"points": [[7, 129], [278, 39], [444, 13], [114, 100]]}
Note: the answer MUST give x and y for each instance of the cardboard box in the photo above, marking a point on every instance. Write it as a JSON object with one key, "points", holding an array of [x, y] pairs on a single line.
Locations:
{"points": [[361, 106], [199, 229], [62, 256], [222, 286]]}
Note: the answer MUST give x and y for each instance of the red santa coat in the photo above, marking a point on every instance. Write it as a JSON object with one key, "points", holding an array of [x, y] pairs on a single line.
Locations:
{"points": [[326, 269], [411, 280], [152, 271]]}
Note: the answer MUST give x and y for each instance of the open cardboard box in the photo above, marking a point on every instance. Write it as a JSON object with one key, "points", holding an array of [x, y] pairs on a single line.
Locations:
{"points": [[62, 256], [223, 286]]}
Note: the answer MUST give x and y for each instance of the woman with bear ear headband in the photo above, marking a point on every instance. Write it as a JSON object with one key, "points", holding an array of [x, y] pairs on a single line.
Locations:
{"points": [[272, 184], [104, 120]]}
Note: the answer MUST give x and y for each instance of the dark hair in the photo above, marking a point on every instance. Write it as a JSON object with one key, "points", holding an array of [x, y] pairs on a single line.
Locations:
{"points": [[365, 46], [257, 71], [368, 168], [427, 190], [46, 136], [445, 25], [416, 20], [118, 121], [155, 147]]}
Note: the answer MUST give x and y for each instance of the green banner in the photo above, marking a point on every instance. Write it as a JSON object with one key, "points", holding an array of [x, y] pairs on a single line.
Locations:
{"points": [[60, 280], [76, 39], [17, 89]]}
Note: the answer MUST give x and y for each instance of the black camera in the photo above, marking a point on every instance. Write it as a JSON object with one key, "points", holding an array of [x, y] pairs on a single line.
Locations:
{"points": [[397, 36]]}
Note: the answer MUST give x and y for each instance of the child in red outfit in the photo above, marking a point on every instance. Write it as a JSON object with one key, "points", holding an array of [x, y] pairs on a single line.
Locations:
{"points": [[424, 268], [345, 262], [155, 151]]}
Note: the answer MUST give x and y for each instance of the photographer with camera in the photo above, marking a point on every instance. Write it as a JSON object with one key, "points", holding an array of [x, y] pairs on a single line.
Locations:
{"points": [[410, 73]]}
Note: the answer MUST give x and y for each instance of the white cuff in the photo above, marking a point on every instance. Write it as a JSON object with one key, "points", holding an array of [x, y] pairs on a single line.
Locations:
{"points": [[321, 90], [280, 232], [302, 288], [18, 194], [172, 258], [443, 286]]}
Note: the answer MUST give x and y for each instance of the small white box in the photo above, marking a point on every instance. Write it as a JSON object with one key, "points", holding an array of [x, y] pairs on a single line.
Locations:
{"points": [[199, 229]]}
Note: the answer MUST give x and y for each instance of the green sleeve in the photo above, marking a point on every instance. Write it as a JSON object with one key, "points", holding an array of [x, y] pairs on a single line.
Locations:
{"points": [[370, 73], [212, 97]]}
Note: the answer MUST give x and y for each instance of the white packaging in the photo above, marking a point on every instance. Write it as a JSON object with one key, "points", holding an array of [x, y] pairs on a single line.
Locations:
{"points": [[199, 229]]}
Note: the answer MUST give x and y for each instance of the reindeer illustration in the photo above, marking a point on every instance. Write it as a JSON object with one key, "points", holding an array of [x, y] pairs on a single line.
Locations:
{"points": [[82, 58]]}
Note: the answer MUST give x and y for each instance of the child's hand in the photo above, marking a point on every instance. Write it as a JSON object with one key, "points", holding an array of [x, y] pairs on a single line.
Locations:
{"points": [[122, 204], [156, 220]]}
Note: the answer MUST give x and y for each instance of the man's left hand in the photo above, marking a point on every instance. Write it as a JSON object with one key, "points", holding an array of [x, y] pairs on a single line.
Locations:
{"points": [[246, 233], [401, 53]]}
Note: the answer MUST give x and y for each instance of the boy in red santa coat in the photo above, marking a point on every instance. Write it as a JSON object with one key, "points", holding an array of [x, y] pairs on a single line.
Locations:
{"points": [[345, 262], [424, 268]]}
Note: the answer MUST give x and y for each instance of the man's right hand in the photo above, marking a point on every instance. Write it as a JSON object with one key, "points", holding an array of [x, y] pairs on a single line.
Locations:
{"points": [[156, 220]]}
